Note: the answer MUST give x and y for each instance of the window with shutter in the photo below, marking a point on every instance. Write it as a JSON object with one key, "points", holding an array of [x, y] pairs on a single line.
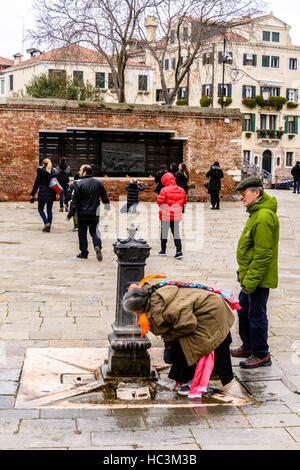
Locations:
{"points": [[265, 61]]}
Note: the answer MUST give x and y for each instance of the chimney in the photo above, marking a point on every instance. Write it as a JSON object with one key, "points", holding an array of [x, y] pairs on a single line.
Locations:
{"points": [[151, 23], [17, 58], [33, 52]]}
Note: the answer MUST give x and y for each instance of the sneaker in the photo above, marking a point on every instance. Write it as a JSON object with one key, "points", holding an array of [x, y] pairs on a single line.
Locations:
{"points": [[253, 362], [48, 228], [82, 256], [184, 390], [240, 352], [75, 229], [162, 253], [98, 253], [178, 255]]}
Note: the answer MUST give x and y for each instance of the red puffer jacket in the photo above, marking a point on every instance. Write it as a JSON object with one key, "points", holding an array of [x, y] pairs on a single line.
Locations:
{"points": [[171, 199]]}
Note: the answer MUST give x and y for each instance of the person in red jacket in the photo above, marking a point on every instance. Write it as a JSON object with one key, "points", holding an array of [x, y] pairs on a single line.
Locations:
{"points": [[171, 200]]}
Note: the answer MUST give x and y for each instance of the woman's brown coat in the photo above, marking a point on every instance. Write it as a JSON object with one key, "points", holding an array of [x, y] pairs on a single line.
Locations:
{"points": [[199, 319]]}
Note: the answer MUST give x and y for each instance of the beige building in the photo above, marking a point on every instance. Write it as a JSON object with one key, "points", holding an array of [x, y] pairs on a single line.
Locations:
{"points": [[259, 60], [81, 64]]}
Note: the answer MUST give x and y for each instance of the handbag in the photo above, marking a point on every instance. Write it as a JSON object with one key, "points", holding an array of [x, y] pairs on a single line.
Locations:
{"points": [[54, 184]]}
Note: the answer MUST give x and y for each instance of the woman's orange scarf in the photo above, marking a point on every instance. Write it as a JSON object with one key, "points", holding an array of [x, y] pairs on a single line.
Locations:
{"points": [[143, 320]]}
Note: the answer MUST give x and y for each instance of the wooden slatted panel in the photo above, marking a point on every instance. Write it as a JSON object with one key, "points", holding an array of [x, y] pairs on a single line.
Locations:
{"points": [[84, 147]]}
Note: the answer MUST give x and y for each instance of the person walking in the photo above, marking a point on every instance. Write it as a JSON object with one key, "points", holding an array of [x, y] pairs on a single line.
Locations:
{"points": [[257, 257], [162, 170], [46, 195], [86, 201], [171, 200], [296, 174], [214, 175], [63, 177], [193, 322], [133, 188]]}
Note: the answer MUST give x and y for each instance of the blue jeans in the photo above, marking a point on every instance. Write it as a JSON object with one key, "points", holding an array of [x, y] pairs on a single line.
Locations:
{"points": [[297, 186], [63, 197], [41, 205], [253, 321]]}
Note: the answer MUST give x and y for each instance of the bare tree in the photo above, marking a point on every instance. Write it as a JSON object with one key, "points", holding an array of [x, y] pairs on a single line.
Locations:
{"points": [[185, 28], [107, 26]]}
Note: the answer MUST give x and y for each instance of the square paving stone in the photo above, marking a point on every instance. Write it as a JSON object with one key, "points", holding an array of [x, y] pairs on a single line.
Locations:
{"points": [[232, 438], [292, 382], [295, 432], [275, 420], [169, 438], [271, 390], [8, 388]]}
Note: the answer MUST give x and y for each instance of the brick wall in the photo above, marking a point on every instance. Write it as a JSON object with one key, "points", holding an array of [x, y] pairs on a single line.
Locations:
{"points": [[209, 138]]}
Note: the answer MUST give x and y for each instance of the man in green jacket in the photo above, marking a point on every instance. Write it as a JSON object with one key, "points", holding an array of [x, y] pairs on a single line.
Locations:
{"points": [[257, 257]]}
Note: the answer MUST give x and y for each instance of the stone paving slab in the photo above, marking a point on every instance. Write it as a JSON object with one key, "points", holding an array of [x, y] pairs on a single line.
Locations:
{"points": [[43, 305]]}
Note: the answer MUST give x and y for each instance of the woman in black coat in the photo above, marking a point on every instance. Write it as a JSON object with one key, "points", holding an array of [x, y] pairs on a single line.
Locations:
{"points": [[182, 177], [46, 194], [214, 175]]}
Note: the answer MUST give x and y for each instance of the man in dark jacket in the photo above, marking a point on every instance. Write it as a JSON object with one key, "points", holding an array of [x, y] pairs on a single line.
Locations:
{"points": [[296, 174], [86, 200], [215, 174]]}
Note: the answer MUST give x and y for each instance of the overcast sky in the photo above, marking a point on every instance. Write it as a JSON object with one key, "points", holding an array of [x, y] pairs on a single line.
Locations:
{"points": [[18, 13]]}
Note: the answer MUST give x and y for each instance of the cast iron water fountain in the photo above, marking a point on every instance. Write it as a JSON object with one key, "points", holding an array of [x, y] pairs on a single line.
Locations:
{"points": [[128, 357]]}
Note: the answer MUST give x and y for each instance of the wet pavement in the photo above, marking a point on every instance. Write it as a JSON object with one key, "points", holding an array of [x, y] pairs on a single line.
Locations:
{"points": [[51, 299]]}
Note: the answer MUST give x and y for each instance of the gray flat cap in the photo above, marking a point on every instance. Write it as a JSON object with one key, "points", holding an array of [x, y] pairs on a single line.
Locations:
{"points": [[251, 182]]}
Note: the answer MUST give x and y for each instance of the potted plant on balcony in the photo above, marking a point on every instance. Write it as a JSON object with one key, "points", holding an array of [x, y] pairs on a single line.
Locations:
{"points": [[271, 133], [291, 136], [292, 105], [277, 102], [262, 133], [249, 102], [205, 101], [181, 102], [248, 135], [226, 101]]}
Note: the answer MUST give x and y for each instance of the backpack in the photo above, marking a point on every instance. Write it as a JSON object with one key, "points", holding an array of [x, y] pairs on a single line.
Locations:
{"points": [[63, 177]]}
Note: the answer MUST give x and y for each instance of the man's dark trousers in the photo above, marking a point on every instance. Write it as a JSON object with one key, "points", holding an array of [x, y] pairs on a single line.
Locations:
{"points": [[253, 321], [85, 223]]}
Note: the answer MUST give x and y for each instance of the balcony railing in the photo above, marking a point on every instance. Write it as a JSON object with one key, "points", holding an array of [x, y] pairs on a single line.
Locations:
{"points": [[269, 134]]}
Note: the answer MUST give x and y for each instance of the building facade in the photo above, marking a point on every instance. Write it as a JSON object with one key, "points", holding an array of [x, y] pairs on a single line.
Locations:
{"points": [[78, 63], [260, 66]]}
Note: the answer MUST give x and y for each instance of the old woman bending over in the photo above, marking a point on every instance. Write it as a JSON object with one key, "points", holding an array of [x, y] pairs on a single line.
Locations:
{"points": [[194, 322]]}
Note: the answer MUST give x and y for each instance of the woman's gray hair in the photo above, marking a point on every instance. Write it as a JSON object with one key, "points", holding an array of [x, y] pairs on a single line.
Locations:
{"points": [[135, 300]]}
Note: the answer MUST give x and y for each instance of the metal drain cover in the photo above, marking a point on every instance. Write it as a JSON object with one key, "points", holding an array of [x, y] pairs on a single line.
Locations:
{"points": [[132, 392], [77, 379]]}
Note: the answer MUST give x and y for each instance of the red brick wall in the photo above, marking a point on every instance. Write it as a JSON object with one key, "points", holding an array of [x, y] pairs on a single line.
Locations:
{"points": [[209, 139]]}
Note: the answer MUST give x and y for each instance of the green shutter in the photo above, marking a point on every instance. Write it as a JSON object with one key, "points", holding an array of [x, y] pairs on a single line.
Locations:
{"points": [[245, 59], [253, 91], [254, 60], [229, 88], [286, 124], [266, 61], [243, 123], [219, 89], [253, 122], [296, 124], [244, 91]]}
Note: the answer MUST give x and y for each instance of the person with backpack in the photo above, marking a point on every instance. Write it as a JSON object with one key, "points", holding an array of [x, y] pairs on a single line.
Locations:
{"points": [[63, 177], [133, 188]]}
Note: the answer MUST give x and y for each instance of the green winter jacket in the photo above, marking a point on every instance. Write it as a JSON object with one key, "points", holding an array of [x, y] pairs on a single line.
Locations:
{"points": [[257, 251]]}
